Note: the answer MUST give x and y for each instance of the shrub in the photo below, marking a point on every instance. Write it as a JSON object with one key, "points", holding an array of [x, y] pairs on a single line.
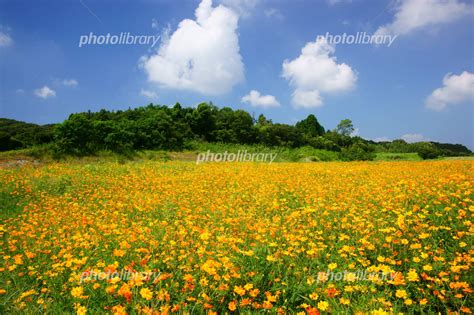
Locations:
{"points": [[357, 152], [427, 150]]}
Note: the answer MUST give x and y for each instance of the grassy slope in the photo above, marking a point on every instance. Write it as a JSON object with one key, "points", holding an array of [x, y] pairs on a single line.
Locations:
{"points": [[303, 154]]}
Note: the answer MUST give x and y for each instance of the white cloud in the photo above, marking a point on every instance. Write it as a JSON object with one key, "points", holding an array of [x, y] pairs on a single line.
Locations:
{"points": [[45, 92], [273, 13], [315, 71], [456, 89], [413, 137], [202, 55], [70, 82], [148, 94], [411, 15], [306, 99], [5, 39], [255, 99], [154, 24]]}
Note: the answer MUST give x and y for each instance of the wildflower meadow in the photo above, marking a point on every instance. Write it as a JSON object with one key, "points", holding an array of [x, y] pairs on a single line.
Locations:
{"points": [[153, 237]]}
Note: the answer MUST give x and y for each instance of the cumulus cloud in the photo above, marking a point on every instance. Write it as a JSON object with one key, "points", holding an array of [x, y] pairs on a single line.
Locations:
{"points": [[306, 99], [148, 94], [45, 92], [456, 89], [314, 72], [255, 99], [413, 137], [411, 15], [70, 82], [5, 39], [202, 55]]}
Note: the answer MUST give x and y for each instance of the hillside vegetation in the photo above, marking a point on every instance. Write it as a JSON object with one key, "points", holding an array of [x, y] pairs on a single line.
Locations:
{"points": [[178, 128]]}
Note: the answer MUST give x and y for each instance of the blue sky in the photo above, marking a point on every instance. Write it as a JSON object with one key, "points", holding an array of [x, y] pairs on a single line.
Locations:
{"points": [[419, 88]]}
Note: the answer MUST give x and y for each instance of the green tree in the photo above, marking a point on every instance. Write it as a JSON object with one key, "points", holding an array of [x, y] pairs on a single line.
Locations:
{"points": [[345, 127], [203, 121], [427, 150], [310, 127]]}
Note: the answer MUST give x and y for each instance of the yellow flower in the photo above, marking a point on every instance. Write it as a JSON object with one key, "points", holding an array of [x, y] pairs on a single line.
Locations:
{"points": [[344, 301], [119, 310], [80, 309], [232, 306], [332, 266], [314, 296], [323, 305], [254, 292], [412, 275], [205, 236], [77, 292], [203, 282], [248, 286], [427, 268], [146, 293], [119, 252], [401, 294], [239, 290], [111, 289]]}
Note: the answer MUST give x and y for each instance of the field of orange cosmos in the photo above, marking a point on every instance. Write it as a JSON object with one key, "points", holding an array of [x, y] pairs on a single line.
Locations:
{"points": [[237, 238]]}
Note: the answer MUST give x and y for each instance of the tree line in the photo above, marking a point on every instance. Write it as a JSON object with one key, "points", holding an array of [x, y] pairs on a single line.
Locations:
{"points": [[172, 128]]}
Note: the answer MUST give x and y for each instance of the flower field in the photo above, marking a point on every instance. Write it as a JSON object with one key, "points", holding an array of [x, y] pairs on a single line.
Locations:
{"points": [[175, 237]]}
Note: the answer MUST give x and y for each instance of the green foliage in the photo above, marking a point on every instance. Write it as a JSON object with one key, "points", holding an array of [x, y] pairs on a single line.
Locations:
{"points": [[323, 143], [280, 135], [358, 151], [8, 143], [156, 127], [427, 150], [388, 156], [345, 127], [310, 127], [17, 134]]}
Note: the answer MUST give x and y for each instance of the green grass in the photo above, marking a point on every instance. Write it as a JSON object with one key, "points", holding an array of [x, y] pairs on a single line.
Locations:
{"points": [[471, 157], [386, 156], [11, 204], [193, 148], [302, 154]]}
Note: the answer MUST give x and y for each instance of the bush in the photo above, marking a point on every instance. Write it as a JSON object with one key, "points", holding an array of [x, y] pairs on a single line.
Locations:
{"points": [[357, 152], [427, 150]]}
